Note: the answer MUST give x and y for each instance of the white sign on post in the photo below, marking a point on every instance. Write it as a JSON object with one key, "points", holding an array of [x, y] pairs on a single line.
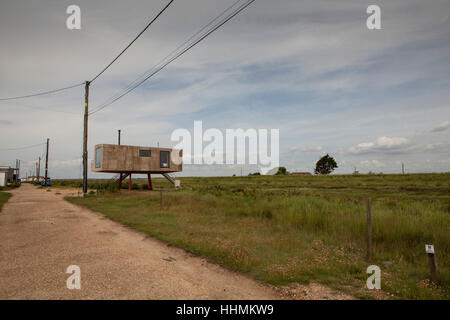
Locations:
{"points": [[429, 248]]}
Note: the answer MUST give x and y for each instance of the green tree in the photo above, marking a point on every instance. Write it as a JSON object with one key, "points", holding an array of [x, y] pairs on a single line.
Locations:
{"points": [[325, 165]]}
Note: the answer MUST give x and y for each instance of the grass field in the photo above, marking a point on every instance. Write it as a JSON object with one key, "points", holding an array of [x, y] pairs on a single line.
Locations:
{"points": [[285, 229], [4, 196]]}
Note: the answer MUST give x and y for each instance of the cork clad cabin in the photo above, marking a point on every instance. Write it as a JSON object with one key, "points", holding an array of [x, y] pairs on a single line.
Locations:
{"points": [[127, 160]]}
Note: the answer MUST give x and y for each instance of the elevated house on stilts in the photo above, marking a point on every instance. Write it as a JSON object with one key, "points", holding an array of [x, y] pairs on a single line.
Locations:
{"points": [[126, 160]]}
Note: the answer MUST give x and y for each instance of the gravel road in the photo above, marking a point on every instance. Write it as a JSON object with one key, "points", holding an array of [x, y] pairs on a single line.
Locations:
{"points": [[41, 235]]}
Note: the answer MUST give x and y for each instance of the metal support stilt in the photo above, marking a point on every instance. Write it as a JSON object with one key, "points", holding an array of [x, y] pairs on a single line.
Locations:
{"points": [[150, 186]]}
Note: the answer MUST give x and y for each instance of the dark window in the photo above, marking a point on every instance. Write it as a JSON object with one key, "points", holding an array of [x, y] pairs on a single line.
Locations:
{"points": [[144, 153], [98, 157], [164, 159]]}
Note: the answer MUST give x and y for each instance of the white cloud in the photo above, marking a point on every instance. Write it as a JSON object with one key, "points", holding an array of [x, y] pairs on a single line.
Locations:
{"points": [[441, 127], [372, 163], [440, 147], [381, 144], [306, 149], [312, 149]]}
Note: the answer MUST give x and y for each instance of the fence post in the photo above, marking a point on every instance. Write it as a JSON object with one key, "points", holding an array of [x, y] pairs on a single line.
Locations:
{"points": [[429, 249], [369, 230]]}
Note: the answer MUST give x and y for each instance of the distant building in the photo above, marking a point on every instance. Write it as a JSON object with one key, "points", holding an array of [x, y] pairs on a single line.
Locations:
{"points": [[34, 178], [7, 175], [300, 173]]}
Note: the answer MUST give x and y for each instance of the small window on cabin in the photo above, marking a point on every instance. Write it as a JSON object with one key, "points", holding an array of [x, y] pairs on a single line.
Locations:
{"points": [[144, 153], [98, 157]]}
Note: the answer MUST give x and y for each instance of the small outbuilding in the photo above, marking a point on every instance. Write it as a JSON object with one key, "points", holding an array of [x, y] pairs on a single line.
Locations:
{"points": [[3, 178], [7, 175], [300, 174], [126, 160]]}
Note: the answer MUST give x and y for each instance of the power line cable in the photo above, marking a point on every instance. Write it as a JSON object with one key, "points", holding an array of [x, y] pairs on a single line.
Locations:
{"points": [[101, 72], [42, 93], [129, 45], [185, 42], [138, 81], [21, 148], [41, 108], [146, 75]]}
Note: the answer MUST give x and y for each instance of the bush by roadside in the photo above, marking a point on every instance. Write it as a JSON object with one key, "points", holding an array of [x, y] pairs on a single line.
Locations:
{"points": [[4, 196]]}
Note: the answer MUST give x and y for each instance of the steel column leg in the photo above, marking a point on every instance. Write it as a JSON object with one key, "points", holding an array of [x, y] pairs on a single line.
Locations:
{"points": [[150, 186], [120, 181]]}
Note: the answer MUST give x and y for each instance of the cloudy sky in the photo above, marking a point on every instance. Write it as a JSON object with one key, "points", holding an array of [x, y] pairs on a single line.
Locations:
{"points": [[370, 98]]}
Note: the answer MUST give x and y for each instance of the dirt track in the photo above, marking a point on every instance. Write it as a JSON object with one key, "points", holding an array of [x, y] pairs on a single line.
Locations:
{"points": [[41, 235]]}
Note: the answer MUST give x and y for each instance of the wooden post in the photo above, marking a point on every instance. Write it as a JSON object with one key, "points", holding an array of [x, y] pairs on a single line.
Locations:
{"points": [[39, 170], [369, 230], [46, 164], [129, 184], [429, 249], [85, 138], [160, 198]]}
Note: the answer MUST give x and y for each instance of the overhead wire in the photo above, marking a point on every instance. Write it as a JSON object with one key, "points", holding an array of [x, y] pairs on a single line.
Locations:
{"points": [[42, 93], [163, 64], [186, 41], [101, 72], [148, 74], [129, 45], [22, 148]]}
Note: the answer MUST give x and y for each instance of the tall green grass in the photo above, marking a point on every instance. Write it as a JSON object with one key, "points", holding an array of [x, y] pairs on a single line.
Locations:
{"points": [[297, 229]]}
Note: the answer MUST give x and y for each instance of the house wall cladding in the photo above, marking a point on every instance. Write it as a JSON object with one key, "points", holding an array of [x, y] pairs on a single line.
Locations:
{"points": [[122, 158]]}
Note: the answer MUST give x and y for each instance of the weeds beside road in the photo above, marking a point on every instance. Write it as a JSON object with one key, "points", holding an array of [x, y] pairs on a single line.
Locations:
{"points": [[4, 196], [297, 229]]}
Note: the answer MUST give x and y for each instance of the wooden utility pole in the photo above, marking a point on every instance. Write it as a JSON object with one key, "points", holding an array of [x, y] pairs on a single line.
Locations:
{"points": [[39, 170], [118, 137], [369, 230], [16, 170], [46, 163], [85, 138]]}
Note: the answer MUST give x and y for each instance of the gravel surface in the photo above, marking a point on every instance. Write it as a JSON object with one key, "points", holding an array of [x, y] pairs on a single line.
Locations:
{"points": [[41, 235]]}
